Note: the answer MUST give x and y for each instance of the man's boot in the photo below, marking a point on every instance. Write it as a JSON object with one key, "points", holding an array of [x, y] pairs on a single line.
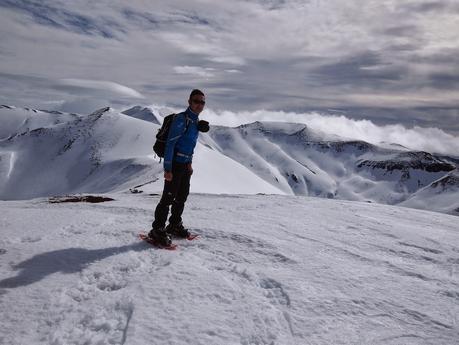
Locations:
{"points": [[177, 230], [160, 236]]}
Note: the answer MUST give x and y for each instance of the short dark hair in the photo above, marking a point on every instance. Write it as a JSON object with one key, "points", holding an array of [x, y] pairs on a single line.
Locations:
{"points": [[196, 92]]}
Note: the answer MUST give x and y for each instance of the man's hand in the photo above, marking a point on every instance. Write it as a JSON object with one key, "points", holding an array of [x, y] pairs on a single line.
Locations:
{"points": [[190, 168], [168, 176], [203, 126]]}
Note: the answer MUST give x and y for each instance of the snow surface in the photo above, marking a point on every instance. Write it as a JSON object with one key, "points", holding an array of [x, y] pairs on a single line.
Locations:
{"points": [[265, 270], [443, 193]]}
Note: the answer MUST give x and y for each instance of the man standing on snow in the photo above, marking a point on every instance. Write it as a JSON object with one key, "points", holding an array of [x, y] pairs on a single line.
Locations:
{"points": [[178, 154]]}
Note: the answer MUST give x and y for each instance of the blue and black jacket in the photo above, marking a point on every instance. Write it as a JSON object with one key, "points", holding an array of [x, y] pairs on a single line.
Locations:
{"points": [[182, 139]]}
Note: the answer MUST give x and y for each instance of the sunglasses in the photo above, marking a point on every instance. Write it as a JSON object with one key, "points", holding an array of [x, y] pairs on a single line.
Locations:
{"points": [[196, 101]]}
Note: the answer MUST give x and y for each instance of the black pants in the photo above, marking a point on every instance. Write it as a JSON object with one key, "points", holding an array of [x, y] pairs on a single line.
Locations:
{"points": [[175, 193]]}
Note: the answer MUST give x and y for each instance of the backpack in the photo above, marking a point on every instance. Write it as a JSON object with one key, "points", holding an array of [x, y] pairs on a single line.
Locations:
{"points": [[161, 137]]}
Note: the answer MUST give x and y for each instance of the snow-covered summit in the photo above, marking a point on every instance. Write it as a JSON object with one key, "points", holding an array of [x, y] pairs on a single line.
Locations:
{"points": [[16, 120], [142, 113], [284, 129]]}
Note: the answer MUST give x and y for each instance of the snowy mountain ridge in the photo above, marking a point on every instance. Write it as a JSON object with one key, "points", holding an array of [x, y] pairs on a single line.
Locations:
{"points": [[314, 164], [49, 153]]}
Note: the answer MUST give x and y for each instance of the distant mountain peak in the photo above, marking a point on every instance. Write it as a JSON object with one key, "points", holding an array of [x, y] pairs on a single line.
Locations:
{"points": [[409, 160], [142, 113], [449, 181], [100, 111], [133, 110], [275, 126]]}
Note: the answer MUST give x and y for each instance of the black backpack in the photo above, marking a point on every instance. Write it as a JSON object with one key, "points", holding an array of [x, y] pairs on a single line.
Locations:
{"points": [[161, 137]]}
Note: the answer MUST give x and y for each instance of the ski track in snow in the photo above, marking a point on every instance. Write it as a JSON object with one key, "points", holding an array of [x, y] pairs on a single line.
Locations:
{"points": [[265, 270]]}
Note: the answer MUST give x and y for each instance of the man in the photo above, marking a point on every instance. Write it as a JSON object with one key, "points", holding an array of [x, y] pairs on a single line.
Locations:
{"points": [[178, 154]]}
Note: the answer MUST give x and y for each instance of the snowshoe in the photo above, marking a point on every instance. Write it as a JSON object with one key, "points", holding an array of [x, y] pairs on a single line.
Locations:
{"points": [[155, 244], [179, 231], [160, 237]]}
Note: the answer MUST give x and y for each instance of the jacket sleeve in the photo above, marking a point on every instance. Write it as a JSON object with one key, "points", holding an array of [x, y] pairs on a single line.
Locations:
{"points": [[175, 132]]}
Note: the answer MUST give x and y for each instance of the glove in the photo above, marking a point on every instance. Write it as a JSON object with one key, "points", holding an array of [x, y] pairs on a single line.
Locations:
{"points": [[203, 126], [190, 168]]}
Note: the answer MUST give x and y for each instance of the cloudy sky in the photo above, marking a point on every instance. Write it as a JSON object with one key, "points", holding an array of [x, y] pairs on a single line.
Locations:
{"points": [[388, 61]]}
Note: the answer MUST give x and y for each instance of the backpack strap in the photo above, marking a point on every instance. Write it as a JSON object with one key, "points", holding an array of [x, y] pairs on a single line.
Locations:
{"points": [[187, 122]]}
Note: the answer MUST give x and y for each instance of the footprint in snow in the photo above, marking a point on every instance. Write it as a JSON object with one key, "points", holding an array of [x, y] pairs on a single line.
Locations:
{"points": [[275, 291], [255, 245], [30, 239], [107, 282]]}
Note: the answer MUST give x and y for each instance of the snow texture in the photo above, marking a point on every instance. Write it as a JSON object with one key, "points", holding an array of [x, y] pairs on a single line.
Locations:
{"points": [[265, 270]]}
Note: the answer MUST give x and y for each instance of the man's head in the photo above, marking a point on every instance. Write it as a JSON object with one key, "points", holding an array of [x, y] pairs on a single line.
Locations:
{"points": [[197, 101]]}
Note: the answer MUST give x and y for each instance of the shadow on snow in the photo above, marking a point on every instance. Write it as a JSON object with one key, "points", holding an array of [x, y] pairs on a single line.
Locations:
{"points": [[70, 260]]}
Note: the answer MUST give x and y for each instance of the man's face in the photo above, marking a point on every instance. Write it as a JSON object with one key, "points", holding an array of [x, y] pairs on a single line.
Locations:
{"points": [[197, 103]]}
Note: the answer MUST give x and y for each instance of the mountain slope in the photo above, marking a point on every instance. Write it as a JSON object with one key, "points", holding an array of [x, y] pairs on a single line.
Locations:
{"points": [[297, 159], [265, 270], [442, 193], [142, 113], [98, 151], [18, 120], [46, 153], [101, 152]]}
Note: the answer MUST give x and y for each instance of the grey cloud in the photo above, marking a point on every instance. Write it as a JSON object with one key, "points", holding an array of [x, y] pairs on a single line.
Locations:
{"points": [[39, 91], [270, 5], [419, 116], [22, 78], [154, 21], [444, 81], [144, 19], [401, 30], [406, 47], [297, 55], [365, 69], [83, 105], [45, 14], [441, 57], [164, 87], [429, 6], [190, 18]]}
